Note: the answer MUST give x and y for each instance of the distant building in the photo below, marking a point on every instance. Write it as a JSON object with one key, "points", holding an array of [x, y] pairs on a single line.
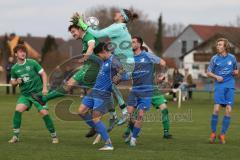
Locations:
{"points": [[196, 42]]}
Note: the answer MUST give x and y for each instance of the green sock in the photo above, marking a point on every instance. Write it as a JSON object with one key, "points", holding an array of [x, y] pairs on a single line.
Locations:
{"points": [[54, 94], [127, 130], [49, 124], [165, 120], [17, 123]]}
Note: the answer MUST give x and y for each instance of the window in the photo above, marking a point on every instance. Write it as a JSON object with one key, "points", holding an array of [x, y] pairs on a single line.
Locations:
{"points": [[184, 46], [195, 44], [195, 66]]}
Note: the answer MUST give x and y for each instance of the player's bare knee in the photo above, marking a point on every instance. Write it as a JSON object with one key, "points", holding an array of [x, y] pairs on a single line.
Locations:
{"points": [[228, 110], [82, 110], [21, 108], [43, 112], [163, 106]]}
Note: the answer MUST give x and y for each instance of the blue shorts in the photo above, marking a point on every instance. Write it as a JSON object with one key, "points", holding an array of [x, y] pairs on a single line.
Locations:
{"points": [[140, 100], [224, 96], [98, 101]]}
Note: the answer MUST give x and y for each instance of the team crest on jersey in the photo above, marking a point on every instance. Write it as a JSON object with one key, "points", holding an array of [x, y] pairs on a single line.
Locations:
{"points": [[229, 63], [142, 60], [28, 68]]}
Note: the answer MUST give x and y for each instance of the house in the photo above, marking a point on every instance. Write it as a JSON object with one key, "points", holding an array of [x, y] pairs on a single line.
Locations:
{"points": [[191, 37], [197, 59]]}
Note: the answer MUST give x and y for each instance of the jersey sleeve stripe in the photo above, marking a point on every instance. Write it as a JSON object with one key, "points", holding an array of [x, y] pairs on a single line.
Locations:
{"points": [[92, 40], [41, 70]]}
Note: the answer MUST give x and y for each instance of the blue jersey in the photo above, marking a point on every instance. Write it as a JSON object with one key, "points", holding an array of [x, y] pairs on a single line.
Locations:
{"points": [[144, 71], [224, 66], [107, 71]]}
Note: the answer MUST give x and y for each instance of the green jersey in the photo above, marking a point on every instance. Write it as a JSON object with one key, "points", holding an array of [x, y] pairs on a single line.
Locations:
{"points": [[29, 73], [87, 38]]}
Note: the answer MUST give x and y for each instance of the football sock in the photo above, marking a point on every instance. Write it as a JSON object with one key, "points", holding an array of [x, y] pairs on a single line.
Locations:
{"points": [[88, 119], [225, 124], [49, 124], [17, 119], [214, 123], [165, 120], [136, 131], [100, 127]]}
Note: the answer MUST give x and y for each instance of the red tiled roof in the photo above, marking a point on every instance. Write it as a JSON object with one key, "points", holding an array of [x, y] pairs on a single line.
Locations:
{"points": [[167, 41], [206, 32]]}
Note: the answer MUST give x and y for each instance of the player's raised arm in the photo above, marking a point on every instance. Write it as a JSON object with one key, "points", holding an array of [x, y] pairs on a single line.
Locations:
{"points": [[108, 31]]}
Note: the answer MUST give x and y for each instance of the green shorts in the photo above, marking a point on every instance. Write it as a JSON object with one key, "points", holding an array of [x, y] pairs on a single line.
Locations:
{"points": [[158, 99], [28, 101], [87, 74]]}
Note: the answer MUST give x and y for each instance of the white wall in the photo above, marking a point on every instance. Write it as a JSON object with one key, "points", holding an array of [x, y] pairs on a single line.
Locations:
{"points": [[175, 49], [188, 63]]}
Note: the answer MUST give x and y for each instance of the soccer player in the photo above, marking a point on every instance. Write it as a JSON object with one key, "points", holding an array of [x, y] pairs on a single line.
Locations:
{"points": [[120, 39], [222, 68], [86, 75], [158, 102], [31, 78], [99, 99], [140, 96]]}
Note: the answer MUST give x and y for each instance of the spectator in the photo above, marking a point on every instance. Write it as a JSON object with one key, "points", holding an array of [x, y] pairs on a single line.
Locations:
{"points": [[177, 80], [189, 83], [8, 74]]}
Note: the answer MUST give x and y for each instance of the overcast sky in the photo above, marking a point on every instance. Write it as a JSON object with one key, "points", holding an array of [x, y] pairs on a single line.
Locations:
{"points": [[44, 17]]}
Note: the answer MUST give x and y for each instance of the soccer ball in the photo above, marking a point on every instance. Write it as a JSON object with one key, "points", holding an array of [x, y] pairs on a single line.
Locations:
{"points": [[92, 21]]}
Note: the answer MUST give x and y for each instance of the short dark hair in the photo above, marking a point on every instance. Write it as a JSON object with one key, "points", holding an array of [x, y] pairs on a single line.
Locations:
{"points": [[73, 26], [100, 47], [20, 47], [139, 39]]}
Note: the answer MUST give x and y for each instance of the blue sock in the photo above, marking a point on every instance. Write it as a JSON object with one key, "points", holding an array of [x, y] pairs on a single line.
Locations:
{"points": [[102, 130], [225, 124], [136, 132], [88, 119], [214, 123]]}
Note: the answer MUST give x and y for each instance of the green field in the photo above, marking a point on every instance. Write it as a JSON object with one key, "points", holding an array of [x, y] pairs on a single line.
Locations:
{"points": [[189, 126]]}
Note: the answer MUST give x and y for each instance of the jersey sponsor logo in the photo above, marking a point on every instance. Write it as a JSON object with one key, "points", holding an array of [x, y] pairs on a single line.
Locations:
{"points": [[28, 68]]}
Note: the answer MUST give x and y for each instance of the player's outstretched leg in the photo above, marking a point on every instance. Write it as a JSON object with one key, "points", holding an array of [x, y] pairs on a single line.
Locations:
{"points": [[214, 122], [60, 92]]}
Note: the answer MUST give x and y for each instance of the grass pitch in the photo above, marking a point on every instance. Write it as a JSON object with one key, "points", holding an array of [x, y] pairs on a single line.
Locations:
{"points": [[190, 126]]}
